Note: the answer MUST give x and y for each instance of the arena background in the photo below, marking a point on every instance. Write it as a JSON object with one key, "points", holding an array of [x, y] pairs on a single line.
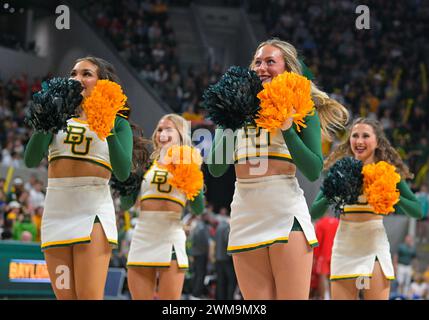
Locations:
{"points": [[166, 54]]}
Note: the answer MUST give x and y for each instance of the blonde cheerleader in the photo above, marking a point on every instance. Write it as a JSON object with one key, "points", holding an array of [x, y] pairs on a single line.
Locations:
{"points": [[272, 237], [158, 242]]}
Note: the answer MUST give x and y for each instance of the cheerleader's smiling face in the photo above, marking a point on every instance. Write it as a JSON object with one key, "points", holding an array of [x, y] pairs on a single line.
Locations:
{"points": [[268, 63], [87, 74], [167, 134], [363, 142]]}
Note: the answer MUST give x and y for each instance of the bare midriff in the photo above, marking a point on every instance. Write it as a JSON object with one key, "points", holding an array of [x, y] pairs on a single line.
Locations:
{"points": [[249, 170], [360, 217], [159, 205], [64, 168]]}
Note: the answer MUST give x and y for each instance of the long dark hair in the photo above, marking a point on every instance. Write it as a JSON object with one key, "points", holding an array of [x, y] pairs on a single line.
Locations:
{"points": [[383, 152], [105, 70]]}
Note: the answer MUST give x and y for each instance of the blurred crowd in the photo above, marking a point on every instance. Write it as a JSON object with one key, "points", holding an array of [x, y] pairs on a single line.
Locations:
{"points": [[14, 94], [142, 33], [368, 70], [381, 72]]}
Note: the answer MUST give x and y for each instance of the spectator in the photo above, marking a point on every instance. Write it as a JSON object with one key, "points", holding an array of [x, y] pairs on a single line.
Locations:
{"points": [[426, 275], [422, 224], [6, 155], [419, 289], [326, 228], [29, 185], [225, 280], [200, 252], [36, 196], [13, 210], [2, 182], [7, 229], [147, 74], [37, 220], [2, 198], [24, 223], [161, 74], [154, 32], [16, 190], [403, 261]]}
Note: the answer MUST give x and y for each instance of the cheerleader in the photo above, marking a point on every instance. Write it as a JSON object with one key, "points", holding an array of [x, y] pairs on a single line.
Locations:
{"points": [[361, 252], [158, 241], [272, 237], [79, 224]]}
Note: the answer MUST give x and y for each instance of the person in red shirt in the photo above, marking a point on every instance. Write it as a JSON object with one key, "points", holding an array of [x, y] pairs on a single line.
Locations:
{"points": [[326, 227]]}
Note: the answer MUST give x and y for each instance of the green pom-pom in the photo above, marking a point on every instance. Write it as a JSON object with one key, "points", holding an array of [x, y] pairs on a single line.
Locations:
{"points": [[130, 186], [52, 106], [232, 101], [343, 183]]}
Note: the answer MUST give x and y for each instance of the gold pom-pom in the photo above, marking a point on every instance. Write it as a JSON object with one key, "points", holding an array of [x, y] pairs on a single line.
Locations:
{"points": [[279, 97], [102, 105], [380, 180], [184, 164]]}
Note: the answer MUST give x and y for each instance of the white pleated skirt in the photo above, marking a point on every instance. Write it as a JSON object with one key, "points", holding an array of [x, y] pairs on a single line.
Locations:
{"points": [[263, 211], [356, 247], [155, 236], [71, 207]]}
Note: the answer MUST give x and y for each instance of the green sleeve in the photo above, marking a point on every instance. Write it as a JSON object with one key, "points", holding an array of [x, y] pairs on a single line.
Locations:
{"points": [[408, 203], [306, 147], [319, 206], [219, 160], [197, 205], [121, 148], [127, 202], [37, 148], [306, 72]]}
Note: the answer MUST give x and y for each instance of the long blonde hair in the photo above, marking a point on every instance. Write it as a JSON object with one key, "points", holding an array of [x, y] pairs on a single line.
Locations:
{"points": [[383, 152], [182, 127], [333, 115]]}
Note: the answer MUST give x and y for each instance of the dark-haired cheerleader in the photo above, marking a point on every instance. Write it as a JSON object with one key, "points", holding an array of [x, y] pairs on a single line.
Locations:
{"points": [[79, 224], [363, 186]]}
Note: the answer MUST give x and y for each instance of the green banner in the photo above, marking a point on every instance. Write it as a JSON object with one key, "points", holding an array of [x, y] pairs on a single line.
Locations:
{"points": [[23, 271]]}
